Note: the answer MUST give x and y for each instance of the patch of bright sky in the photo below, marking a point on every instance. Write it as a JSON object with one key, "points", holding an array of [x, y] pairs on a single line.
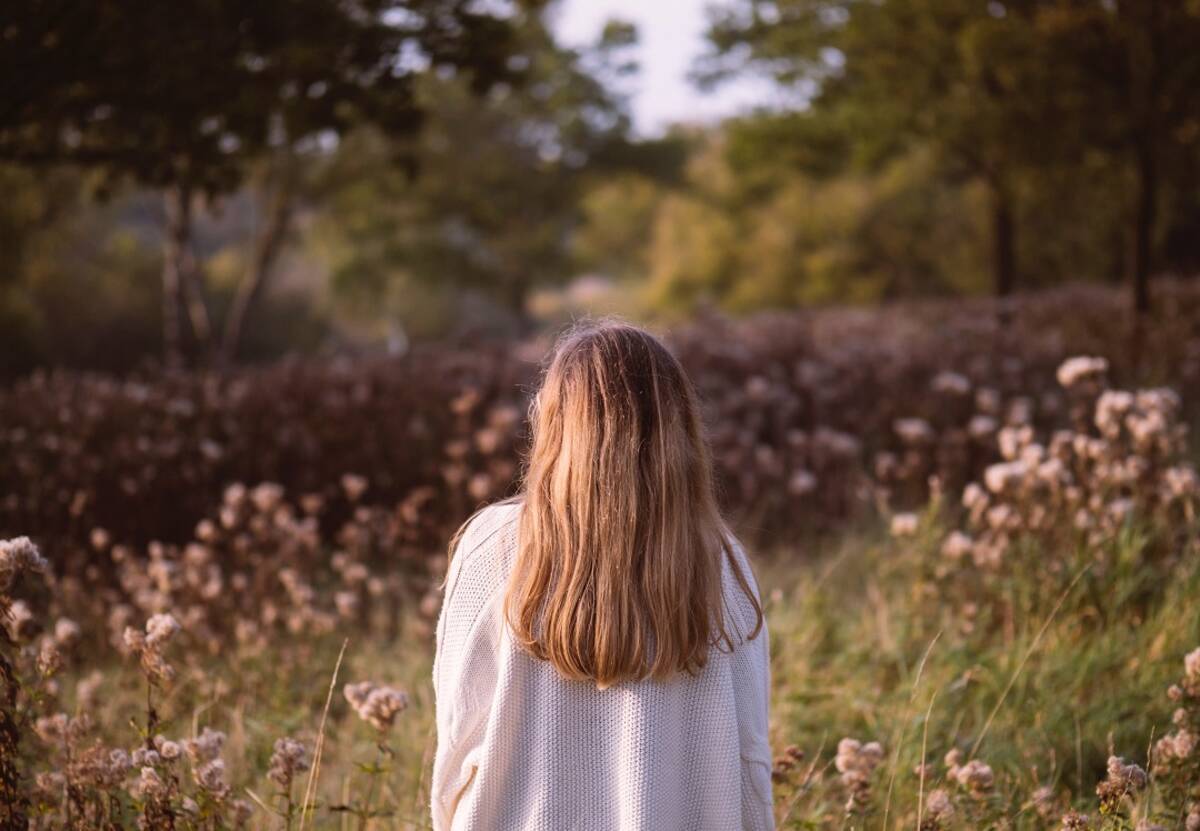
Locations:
{"points": [[671, 37]]}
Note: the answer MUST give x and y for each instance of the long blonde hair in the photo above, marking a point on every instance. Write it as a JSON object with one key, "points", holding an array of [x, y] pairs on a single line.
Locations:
{"points": [[621, 543]]}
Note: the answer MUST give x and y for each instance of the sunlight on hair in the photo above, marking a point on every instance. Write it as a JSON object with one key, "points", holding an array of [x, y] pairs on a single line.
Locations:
{"points": [[622, 546]]}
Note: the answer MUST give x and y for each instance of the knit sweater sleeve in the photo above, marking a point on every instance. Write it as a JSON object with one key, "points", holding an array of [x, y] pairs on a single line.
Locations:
{"points": [[464, 670], [752, 669]]}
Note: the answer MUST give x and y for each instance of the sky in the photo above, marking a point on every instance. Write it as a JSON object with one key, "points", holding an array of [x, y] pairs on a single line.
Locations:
{"points": [[671, 37]]}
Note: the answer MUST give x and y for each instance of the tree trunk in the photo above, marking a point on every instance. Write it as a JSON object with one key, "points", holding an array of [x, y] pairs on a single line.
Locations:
{"points": [[517, 292], [1143, 20], [197, 304], [1147, 203], [1118, 256], [181, 277], [1004, 242], [266, 251], [175, 244]]}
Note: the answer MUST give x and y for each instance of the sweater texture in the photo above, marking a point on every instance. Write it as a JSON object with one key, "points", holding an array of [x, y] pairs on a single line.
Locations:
{"points": [[520, 748]]}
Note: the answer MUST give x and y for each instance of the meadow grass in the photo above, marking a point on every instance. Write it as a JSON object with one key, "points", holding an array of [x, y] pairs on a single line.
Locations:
{"points": [[862, 648], [863, 645]]}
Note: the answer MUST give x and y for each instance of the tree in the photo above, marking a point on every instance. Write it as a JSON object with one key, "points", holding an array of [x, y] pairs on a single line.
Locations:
{"points": [[1133, 67], [751, 232], [1011, 93], [186, 96], [494, 196], [963, 77]]}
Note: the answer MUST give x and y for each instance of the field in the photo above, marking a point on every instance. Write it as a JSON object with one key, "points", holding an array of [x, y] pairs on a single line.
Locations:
{"points": [[975, 529]]}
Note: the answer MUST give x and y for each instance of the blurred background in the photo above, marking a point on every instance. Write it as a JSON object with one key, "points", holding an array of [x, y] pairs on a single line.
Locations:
{"points": [[276, 278], [217, 183]]}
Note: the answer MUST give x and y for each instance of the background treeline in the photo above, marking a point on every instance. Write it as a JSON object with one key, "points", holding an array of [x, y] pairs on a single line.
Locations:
{"points": [[224, 181]]}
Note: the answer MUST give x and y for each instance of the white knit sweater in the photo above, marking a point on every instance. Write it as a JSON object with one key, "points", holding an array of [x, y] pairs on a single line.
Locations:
{"points": [[522, 749]]}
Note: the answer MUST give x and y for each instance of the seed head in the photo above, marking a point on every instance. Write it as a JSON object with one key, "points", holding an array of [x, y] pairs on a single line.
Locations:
{"points": [[376, 705]]}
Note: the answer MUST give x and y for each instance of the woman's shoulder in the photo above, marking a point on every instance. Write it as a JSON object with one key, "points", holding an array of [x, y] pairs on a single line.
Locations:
{"points": [[485, 543], [480, 561], [488, 526]]}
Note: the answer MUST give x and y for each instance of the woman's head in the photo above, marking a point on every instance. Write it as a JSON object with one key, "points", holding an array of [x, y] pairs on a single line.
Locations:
{"points": [[618, 574]]}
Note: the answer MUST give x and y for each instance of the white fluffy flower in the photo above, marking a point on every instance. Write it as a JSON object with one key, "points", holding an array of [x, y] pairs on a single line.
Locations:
{"points": [[1074, 370]]}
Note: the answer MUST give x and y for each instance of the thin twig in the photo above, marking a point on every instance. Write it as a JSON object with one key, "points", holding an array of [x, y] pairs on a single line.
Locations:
{"points": [[924, 746], [899, 740], [310, 787]]}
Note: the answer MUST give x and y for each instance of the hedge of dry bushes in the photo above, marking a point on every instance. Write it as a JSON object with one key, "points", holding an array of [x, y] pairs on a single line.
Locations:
{"points": [[814, 416]]}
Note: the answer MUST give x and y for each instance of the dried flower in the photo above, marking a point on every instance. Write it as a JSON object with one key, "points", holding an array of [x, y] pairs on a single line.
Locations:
{"points": [[376, 705], [1075, 821], [975, 776], [957, 546], [167, 749], [913, 431], [1044, 801], [205, 747], [1004, 475], [20, 622], [802, 482], [66, 632], [150, 786], [950, 383], [1123, 780], [149, 646], [856, 762], [289, 758], [904, 525], [939, 806], [354, 486], [1191, 666], [211, 777], [1076, 370], [17, 556]]}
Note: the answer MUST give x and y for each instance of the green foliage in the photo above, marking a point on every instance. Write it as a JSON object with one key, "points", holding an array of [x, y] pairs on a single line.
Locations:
{"points": [[495, 190], [618, 219], [424, 166], [1037, 103], [192, 96], [863, 647], [78, 280], [939, 146], [77, 288], [187, 94], [745, 234]]}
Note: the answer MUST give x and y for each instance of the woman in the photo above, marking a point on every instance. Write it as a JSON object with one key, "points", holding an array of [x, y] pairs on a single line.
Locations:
{"points": [[602, 656]]}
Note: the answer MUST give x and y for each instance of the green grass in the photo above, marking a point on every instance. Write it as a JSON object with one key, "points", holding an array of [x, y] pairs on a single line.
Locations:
{"points": [[863, 645], [862, 649]]}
